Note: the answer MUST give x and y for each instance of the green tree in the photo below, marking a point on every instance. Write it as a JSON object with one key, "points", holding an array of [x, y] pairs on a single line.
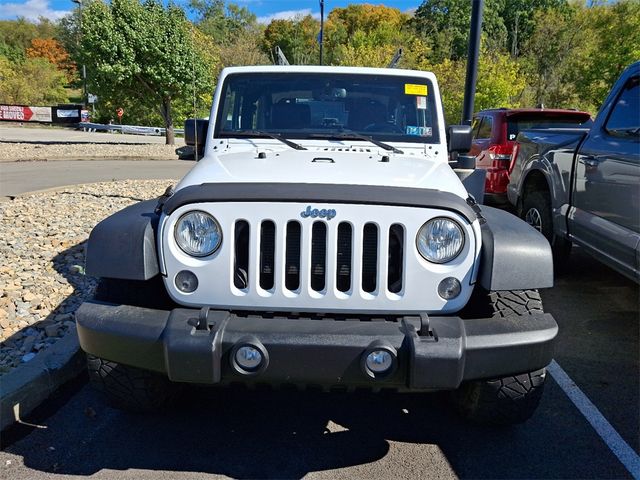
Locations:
{"points": [[224, 22], [500, 83], [520, 21], [558, 44], [613, 32], [365, 35], [297, 38], [33, 81], [145, 52], [444, 24]]}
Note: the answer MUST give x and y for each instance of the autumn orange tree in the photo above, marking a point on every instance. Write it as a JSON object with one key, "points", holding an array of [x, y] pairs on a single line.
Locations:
{"points": [[52, 51]]}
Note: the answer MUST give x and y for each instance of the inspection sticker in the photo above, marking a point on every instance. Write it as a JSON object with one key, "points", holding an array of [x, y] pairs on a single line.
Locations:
{"points": [[413, 89], [421, 103], [419, 131]]}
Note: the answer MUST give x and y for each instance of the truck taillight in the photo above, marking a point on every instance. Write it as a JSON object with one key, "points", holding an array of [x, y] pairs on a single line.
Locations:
{"points": [[514, 155], [500, 154]]}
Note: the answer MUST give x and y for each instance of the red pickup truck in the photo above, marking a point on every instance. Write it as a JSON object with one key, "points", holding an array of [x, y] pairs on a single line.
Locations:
{"points": [[494, 135]]}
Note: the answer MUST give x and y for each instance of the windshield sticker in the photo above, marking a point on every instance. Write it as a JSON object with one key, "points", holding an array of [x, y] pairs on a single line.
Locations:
{"points": [[419, 131], [413, 89], [421, 103]]}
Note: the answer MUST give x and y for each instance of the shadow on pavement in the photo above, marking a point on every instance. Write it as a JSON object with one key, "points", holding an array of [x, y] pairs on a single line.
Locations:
{"points": [[250, 434]]}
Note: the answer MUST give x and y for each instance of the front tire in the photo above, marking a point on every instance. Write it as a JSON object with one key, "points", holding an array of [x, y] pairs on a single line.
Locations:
{"points": [[501, 401], [129, 388], [124, 387], [536, 211], [511, 399]]}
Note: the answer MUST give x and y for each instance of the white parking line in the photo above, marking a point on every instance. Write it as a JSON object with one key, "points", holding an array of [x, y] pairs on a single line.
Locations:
{"points": [[621, 449]]}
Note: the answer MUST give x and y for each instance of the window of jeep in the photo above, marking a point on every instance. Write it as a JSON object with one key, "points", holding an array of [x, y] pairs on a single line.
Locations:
{"points": [[315, 105]]}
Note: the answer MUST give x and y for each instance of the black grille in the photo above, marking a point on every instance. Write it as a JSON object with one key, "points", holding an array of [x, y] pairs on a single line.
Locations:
{"points": [[369, 257], [318, 255], [241, 263], [267, 254], [265, 235], [396, 255], [292, 257], [343, 257]]}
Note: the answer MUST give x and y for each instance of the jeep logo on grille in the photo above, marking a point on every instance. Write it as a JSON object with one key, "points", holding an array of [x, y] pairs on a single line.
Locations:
{"points": [[315, 213]]}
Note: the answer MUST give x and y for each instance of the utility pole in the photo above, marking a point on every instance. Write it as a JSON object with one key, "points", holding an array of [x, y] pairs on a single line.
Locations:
{"points": [[321, 31], [472, 61], [84, 68]]}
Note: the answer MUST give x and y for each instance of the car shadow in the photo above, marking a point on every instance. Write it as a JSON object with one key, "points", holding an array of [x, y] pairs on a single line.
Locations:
{"points": [[244, 433]]}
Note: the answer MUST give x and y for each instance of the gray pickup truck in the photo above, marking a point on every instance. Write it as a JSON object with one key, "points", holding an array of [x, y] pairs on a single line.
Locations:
{"points": [[582, 186]]}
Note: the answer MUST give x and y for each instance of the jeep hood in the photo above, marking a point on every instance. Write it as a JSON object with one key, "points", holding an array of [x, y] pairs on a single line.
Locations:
{"points": [[322, 165]]}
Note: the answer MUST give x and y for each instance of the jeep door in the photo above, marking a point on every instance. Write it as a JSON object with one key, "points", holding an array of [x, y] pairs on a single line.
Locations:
{"points": [[606, 214]]}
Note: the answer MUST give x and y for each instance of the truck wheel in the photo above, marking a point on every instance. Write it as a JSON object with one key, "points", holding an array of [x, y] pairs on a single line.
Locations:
{"points": [[536, 211], [129, 388], [138, 293], [507, 400]]}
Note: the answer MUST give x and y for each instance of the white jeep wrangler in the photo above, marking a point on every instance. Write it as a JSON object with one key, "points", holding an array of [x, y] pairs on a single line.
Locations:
{"points": [[323, 239]]}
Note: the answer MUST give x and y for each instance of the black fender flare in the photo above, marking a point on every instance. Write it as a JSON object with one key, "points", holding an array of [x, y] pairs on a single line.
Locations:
{"points": [[124, 244], [514, 255]]}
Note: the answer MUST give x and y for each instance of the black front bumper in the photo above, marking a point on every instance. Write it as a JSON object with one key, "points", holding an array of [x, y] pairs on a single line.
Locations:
{"points": [[435, 353]]}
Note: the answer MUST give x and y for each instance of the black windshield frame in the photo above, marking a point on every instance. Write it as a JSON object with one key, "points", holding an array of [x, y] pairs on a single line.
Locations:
{"points": [[397, 111]]}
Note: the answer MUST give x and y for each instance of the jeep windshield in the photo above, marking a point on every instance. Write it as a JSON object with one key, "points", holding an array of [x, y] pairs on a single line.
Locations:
{"points": [[338, 106]]}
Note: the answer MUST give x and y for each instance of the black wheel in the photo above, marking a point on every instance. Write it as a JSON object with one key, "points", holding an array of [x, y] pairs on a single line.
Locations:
{"points": [[130, 388], [536, 211], [148, 294], [512, 399]]}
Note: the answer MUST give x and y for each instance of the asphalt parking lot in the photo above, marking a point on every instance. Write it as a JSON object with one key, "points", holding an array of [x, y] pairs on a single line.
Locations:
{"points": [[248, 434]]}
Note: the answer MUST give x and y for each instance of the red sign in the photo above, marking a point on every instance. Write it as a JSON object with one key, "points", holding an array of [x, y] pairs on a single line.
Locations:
{"points": [[15, 113], [120, 112]]}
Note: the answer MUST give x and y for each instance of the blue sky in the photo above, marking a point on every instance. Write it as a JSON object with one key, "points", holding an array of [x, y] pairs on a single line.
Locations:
{"points": [[264, 9]]}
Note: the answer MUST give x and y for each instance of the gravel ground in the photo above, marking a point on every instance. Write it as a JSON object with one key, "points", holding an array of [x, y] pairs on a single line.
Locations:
{"points": [[21, 152], [42, 240]]}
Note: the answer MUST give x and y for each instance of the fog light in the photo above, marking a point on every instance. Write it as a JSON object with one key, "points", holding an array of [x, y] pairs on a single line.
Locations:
{"points": [[449, 288], [248, 358], [379, 361], [186, 281]]}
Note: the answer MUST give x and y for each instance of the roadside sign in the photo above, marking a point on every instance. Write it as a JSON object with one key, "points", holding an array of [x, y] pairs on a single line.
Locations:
{"points": [[20, 113], [91, 98], [120, 112], [12, 112]]}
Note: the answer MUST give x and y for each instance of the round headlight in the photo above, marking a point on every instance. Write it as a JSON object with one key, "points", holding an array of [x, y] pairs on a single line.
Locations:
{"points": [[198, 234], [440, 240]]}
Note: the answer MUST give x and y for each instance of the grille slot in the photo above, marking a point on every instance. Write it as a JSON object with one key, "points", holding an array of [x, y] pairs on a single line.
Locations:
{"points": [[241, 257], [292, 256], [267, 254], [396, 258], [318, 256], [343, 257], [369, 257]]}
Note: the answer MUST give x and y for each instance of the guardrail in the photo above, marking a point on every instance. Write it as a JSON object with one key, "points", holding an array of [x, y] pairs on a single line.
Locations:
{"points": [[127, 129]]}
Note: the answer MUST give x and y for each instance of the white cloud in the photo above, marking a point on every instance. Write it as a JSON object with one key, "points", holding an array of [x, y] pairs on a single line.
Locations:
{"points": [[288, 15], [31, 10]]}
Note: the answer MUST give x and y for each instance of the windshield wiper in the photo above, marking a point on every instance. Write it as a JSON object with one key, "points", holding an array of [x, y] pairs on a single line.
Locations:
{"points": [[260, 133], [344, 134]]}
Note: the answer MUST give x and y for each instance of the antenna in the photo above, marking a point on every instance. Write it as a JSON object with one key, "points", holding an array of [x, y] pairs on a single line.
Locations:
{"points": [[395, 59], [195, 112], [280, 57]]}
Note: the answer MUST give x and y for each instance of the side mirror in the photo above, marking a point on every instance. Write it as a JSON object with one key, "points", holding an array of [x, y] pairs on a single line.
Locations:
{"points": [[459, 138], [195, 133]]}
